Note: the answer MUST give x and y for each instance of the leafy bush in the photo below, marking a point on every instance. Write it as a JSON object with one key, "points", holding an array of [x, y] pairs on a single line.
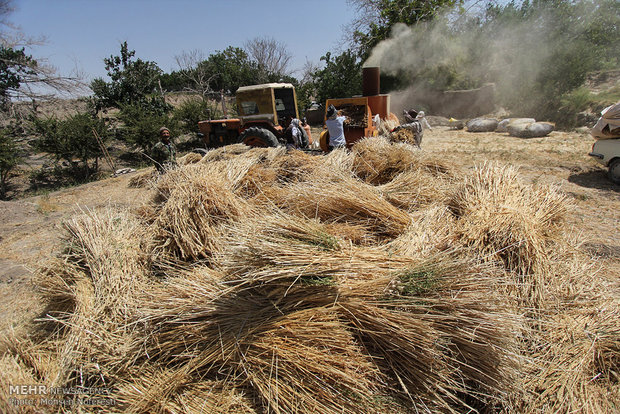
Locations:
{"points": [[9, 158], [193, 110], [142, 122], [73, 141]]}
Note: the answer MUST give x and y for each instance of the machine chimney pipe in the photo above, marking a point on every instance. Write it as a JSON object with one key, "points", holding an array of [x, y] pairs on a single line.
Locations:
{"points": [[370, 81]]}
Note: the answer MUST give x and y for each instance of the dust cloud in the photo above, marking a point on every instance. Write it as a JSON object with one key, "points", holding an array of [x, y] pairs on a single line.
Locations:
{"points": [[509, 55]]}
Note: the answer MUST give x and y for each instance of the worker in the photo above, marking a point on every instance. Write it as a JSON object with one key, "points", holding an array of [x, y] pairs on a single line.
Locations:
{"points": [[422, 118], [412, 124], [164, 152], [293, 133], [335, 126]]}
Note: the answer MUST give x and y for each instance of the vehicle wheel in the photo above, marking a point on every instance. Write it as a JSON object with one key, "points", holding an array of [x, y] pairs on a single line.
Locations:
{"points": [[258, 137], [304, 138], [614, 171]]}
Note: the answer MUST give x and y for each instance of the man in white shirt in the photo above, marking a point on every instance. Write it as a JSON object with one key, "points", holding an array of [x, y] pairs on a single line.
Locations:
{"points": [[335, 126], [422, 118]]}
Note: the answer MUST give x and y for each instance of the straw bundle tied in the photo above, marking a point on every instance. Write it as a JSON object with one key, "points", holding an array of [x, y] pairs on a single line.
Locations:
{"points": [[189, 158], [377, 161], [430, 232], [143, 178], [194, 206], [267, 281], [350, 201], [574, 351], [505, 219], [155, 389], [387, 125], [225, 152]]}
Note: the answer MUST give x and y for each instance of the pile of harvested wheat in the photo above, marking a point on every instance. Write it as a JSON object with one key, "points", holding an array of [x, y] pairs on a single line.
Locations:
{"points": [[366, 281]]}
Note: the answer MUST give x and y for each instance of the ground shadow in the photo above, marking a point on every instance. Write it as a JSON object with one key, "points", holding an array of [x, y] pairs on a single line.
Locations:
{"points": [[58, 177], [594, 179]]}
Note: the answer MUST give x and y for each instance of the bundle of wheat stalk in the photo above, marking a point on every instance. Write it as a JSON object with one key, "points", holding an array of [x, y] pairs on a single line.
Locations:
{"points": [[370, 281], [504, 219]]}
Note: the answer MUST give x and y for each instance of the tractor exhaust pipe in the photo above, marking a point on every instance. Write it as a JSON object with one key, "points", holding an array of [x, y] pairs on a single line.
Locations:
{"points": [[370, 81]]}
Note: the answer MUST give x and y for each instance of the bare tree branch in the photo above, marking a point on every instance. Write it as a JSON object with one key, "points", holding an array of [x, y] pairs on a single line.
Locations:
{"points": [[36, 79], [271, 56], [190, 65]]}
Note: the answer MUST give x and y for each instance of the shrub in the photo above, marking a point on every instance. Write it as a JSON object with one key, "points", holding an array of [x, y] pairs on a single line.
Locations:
{"points": [[9, 158], [191, 111], [142, 122], [72, 140]]}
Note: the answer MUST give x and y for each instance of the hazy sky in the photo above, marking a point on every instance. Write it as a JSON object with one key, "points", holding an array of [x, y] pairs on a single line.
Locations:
{"points": [[80, 33]]}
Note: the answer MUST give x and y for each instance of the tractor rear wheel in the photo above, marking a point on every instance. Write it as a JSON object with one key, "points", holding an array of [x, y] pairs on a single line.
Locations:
{"points": [[258, 137], [324, 140]]}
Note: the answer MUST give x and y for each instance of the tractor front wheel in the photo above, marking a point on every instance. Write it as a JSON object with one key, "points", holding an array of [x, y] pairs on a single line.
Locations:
{"points": [[258, 137]]}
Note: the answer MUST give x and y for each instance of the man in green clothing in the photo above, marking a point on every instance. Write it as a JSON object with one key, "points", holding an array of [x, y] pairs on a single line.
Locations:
{"points": [[164, 152]]}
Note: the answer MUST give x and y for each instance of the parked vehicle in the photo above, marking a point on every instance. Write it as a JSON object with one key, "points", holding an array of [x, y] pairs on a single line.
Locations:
{"points": [[607, 152], [606, 149], [263, 113]]}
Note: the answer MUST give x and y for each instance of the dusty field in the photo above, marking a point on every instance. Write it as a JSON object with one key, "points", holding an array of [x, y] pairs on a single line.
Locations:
{"points": [[31, 228]]}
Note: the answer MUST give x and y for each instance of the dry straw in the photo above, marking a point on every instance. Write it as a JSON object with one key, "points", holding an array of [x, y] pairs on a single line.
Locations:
{"points": [[505, 219], [366, 281], [377, 161]]}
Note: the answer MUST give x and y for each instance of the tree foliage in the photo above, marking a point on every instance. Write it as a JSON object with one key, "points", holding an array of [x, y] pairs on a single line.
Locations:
{"points": [[376, 19], [191, 111], [131, 81], [15, 65], [72, 140], [563, 41], [141, 124], [229, 69], [21, 75], [9, 159], [340, 77]]}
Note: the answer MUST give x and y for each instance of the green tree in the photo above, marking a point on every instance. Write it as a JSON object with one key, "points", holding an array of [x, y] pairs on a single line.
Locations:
{"points": [[561, 41], [131, 81], [229, 69], [376, 19], [72, 140], [9, 159], [175, 81], [341, 77], [191, 111], [15, 65]]}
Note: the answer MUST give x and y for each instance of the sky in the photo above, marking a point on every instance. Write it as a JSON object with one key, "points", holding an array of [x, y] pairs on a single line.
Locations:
{"points": [[81, 33]]}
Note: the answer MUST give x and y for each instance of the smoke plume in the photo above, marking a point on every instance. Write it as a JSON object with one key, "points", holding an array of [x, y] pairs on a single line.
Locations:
{"points": [[468, 52]]}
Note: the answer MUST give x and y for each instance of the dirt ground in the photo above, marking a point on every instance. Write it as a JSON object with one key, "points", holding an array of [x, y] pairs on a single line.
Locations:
{"points": [[31, 228]]}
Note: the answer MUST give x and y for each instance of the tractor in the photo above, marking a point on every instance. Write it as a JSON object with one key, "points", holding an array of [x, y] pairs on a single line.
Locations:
{"points": [[264, 112]]}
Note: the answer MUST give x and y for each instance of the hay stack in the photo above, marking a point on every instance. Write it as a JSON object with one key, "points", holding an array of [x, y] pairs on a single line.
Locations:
{"points": [[190, 158], [269, 281], [377, 161], [193, 205], [354, 203], [143, 178], [504, 219]]}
